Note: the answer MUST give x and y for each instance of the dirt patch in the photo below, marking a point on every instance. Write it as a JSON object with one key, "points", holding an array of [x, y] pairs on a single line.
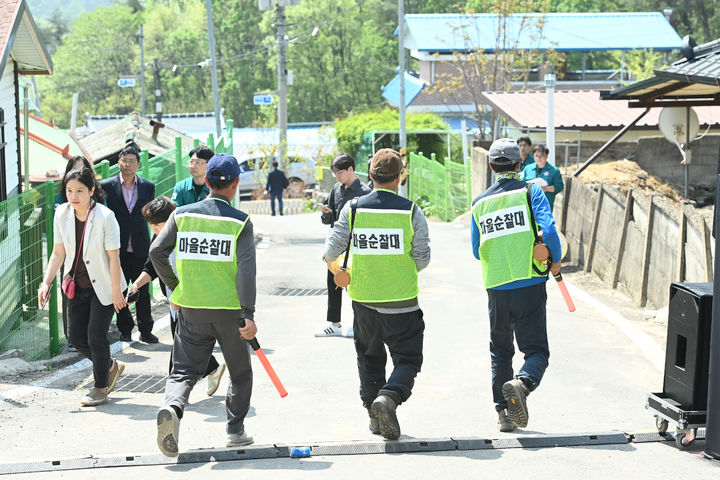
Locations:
{"points": [[626, 174]]}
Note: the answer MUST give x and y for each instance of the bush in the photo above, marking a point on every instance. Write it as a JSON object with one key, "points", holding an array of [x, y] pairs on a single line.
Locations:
{"points": [[349, 131]]}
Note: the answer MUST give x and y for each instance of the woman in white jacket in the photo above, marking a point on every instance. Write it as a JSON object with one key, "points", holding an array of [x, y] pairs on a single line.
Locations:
{"points": [[85, 228]]}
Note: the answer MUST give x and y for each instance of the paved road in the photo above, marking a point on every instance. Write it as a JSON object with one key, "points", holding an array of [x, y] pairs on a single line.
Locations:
{"points": [[596, 382]]}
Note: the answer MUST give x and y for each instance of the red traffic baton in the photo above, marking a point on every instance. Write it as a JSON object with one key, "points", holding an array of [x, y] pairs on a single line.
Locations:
{"points": [[564, 291], [266, 364]]}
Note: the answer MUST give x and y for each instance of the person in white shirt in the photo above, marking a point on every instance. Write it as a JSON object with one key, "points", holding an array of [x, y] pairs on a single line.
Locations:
{"points": [[87, 240]]}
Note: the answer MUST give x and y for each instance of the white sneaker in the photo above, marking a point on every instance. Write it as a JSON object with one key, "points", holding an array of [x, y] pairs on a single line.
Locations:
{"points": [[168, 427], [213, 380], [349, 332], [331, 330]]}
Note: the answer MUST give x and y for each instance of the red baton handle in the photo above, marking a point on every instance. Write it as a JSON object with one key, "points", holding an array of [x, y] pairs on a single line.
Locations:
{"points": [[266, 364], [564, 291]]}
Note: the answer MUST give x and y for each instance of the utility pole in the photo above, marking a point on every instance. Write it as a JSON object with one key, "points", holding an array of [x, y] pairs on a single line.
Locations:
{"points": [[401, 72], [282, 84], [550, 116], [142, 72], [158, 92], [216, 96]]}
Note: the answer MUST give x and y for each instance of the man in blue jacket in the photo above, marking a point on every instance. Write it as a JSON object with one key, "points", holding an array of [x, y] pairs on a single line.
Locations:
{"points": [[277, 182], [505, 221]]}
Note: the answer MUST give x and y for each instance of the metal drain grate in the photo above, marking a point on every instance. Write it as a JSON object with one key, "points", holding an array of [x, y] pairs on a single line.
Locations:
{"points": [[299, 292], [138, 384]]}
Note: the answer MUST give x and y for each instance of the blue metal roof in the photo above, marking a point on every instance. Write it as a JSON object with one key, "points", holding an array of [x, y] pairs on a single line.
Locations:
{"points": [[413, 87], [563, 32]]}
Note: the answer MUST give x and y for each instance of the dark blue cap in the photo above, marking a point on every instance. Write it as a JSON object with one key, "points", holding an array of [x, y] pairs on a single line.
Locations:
{"points": [[222, 167]]}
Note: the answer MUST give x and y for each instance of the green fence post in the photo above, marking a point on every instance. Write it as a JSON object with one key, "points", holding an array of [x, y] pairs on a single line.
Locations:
{"points": [[468, 185], [196, 142], [179, 170], [409, 178], [446, 173], [104, 169], [52, 309], [145, 164], [211, 142], [229, 129]]}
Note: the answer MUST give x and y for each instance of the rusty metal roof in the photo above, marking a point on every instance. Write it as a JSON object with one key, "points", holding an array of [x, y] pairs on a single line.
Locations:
{"points": [[583, 110]]}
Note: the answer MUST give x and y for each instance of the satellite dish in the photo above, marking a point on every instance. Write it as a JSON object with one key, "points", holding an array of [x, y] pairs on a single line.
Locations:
{"points": [[680, 125], [674, 124]]}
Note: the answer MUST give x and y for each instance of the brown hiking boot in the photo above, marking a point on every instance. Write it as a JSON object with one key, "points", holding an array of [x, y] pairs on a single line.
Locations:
{"points": [[383, 408], [516, 393], [504, 423]]}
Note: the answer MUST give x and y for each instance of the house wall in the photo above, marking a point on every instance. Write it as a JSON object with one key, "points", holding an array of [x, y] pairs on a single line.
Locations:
{"points": [[7, 103]]}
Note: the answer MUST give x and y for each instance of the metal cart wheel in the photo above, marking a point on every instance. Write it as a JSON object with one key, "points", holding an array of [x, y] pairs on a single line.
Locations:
{"points": [[661, 424], [684, 440]]}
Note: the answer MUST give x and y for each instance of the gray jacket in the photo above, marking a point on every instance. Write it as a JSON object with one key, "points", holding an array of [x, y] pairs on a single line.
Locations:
{"points": [[338, 242], [164, 245]]}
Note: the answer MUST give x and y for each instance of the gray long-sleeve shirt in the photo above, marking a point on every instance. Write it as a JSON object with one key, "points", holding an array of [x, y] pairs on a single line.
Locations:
{"points": [[338, 242], [164, 245]]}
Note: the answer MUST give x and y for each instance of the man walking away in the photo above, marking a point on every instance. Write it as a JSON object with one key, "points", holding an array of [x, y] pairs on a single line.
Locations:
{"points": [[213, 242], [505, 219], [390, 245], [346, 188], [277, 182]]}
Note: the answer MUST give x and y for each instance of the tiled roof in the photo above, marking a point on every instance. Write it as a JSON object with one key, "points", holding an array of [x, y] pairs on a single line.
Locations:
{"points": [[695, 79], [578, 110], [108, 142], [702, 70], [559, 31]]}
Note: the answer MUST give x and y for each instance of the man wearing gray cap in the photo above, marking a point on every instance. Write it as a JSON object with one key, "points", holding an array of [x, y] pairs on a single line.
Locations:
{"points": [[505, 223], [214, 291], [387, 236]]}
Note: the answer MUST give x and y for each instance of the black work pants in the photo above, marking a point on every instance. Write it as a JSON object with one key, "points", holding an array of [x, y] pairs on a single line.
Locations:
{"points": [[334, 307], [88, 325], [132, 266], [403, 335]]}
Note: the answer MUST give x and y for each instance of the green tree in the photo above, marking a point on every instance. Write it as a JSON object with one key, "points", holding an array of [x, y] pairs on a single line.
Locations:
{"points": [[245, 46], [343, 66], [53, 29], [100, 47], [176, 34]]}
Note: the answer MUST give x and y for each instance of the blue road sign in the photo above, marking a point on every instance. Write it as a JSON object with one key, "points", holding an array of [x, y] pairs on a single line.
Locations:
{"points": [[127, 82], [262, 100]]}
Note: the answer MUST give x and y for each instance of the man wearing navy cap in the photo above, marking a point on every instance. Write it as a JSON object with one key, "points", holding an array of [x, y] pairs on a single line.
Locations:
{"points": [[213, 242], [505, 221]]}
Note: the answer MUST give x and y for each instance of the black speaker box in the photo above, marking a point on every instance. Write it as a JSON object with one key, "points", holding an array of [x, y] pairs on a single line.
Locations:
{"points": [[687, 356]]}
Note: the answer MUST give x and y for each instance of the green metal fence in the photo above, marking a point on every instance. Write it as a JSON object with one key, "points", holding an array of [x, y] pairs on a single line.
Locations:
{"points": [[442, 190], [26, 239]]}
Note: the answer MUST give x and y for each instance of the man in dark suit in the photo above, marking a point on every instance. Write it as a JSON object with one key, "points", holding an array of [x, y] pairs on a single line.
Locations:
{"points": [[126, 195], [277, 182]]}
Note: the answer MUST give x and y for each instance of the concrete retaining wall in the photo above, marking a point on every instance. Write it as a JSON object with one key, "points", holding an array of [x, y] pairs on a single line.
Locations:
{"points": [[636, 243]]}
